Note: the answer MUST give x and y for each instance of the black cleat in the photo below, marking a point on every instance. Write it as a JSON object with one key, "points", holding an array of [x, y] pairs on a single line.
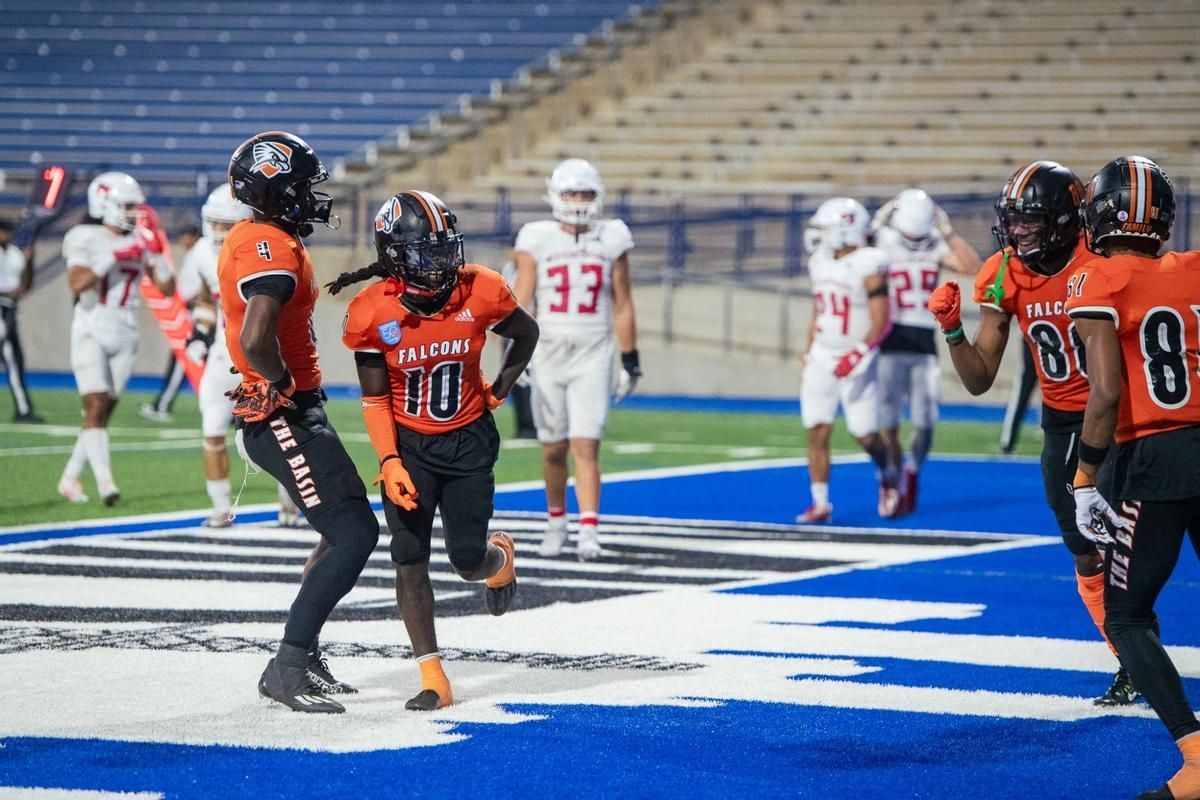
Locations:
{"points": [[29, 418], [426, 700], [292, 687], [1121, 693], [500, 589], [318, 673], [1161, 793]]}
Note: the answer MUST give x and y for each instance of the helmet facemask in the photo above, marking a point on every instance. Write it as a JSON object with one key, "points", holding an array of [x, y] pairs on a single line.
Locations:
{"points": [[1040, 242], [428, 269]]}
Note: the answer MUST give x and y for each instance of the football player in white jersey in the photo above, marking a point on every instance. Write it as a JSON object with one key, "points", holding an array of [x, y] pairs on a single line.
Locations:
{"points": [[573, 272], [919, 242], [107, 256], [206, 346], [850, 319]]}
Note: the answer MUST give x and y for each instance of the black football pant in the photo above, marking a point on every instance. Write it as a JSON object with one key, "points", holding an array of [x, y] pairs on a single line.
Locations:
{"points": [[172, 382], [13, 357], [1136, 569], [301, 450]]}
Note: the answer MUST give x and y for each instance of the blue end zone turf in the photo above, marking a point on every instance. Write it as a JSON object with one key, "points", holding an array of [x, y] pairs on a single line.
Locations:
{"points": [[993, 496]]}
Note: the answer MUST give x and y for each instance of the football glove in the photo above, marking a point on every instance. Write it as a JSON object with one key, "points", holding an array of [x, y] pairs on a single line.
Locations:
{"points": [[397, 484], [198, 344], [627, 380], [946, 306], [850, 360], [1094, 517], [941, 222], [260, 400], [490, 400]]}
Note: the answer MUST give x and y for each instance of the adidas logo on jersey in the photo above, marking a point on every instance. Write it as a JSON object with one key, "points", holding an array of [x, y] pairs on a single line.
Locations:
{"points": [[464, 316]]}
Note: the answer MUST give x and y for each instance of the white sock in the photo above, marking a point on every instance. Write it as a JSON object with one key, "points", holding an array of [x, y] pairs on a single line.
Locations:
{"points": [[820, 494], [218, 492], [77, 460], [95, 444]]}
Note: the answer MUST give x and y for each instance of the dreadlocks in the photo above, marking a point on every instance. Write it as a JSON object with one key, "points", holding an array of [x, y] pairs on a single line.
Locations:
{"points": [[373, 270]]}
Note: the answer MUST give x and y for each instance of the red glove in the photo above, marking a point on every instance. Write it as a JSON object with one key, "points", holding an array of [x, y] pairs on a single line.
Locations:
{"points": [[150, 230], [258, 402], [130, 252], [490, 399], [946, 305], [397, 484], [849, 360]]}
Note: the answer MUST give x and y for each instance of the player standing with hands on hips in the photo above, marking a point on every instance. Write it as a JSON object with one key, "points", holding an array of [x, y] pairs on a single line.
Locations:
{"points": [[268, 291], [417, 338], [573, 271]]}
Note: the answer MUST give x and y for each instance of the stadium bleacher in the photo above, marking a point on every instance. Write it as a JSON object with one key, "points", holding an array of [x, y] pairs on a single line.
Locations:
{"points": [[167, 89]]}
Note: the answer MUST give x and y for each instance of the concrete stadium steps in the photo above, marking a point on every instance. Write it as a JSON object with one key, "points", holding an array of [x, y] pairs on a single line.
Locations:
{"points": [[854, 96]]}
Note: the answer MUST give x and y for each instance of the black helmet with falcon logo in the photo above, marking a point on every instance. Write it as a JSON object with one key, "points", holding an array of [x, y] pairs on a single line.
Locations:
{"points": [[274, 173]]}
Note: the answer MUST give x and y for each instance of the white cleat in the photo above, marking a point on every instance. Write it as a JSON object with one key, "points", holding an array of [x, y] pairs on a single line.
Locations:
{"points": [[219, 518], [588, 545], [72, 489], [889, 501], [147, 411], [110, 494], [553, 541]]}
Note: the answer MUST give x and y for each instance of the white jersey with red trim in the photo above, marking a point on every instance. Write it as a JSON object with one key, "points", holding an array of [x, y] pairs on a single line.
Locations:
{"points": [[574, 274], [840, 296], [119, 260], [912, 275]]}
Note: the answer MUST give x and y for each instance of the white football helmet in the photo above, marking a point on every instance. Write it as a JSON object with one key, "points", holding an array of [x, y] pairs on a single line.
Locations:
{"points": [[839, 222], [220, 211], [575, 175], [113, 198], [913, 216]]}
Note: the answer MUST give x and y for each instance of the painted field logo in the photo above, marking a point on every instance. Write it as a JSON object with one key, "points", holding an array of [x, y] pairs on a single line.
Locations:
{"points": [[272, 158]]}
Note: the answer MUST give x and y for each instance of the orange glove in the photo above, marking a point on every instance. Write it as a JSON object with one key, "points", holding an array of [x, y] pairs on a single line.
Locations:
{"points": [[946, 305], [397, 483], [261, 400], [490, 399]]}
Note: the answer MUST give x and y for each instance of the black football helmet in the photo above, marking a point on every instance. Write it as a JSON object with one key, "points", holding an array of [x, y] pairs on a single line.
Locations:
{"points": [[1131, 198], [274, 173], [1037, 215], [419, 245]]}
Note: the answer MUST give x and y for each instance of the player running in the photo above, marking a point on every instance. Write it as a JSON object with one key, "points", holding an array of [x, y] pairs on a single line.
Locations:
{"points": [[1136, 312], [1037, 224], [849, 320], [417, 338], [107, 255], [919, 242]]}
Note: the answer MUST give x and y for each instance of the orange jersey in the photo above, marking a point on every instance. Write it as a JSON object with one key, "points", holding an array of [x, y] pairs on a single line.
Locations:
{"points": [[433, 362], [1155, 303], [1039, 304], [256, 249]]}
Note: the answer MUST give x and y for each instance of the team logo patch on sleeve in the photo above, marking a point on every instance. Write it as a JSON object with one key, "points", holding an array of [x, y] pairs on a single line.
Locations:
{"points": [[264, 250], [390, 332]]}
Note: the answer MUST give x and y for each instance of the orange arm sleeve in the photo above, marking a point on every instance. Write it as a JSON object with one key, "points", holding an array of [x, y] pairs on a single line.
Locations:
{"points": [[377, 411]]}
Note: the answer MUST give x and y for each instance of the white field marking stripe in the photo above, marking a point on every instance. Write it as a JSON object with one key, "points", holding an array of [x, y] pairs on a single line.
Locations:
{"points": [[35, 793], [783, 548], [19, 557], [73, 430], [199, 515], [824, 572], [190, 440], [115, 447]]}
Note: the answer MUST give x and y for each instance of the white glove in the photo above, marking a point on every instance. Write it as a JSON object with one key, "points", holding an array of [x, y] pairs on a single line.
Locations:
{"points": [[197, 351], [1094, 517], [628, 377]]}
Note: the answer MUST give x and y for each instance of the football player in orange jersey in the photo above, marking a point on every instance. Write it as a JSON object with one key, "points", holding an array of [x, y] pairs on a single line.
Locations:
{"points": [[267, 294], [1136, 313], [417, 338], [1038, 229]]}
